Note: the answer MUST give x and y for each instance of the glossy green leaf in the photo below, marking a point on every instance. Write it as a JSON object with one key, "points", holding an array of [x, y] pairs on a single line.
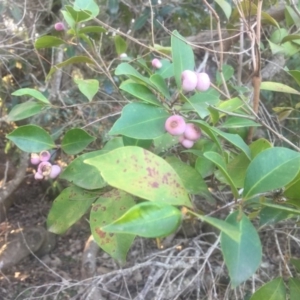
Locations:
{"points": [[192, 180], [225, 6], [273, 290], [227, 71], [25, 110], [91, 29], [31, 138], [68, 208], [230, 231], [141, 121], [88, 87], [75, 140], [242, 258], [89, 5], [147, 219], [127, 69], [48, 41], [182, 55], [278, 87], [292, 190], [108, 208], [92, 179], [217, 159], [114, 143], [235, 140], [271, 215], [167, 69], [31, 92], [120, 45], [77, 15], [296, 263], [271, 169], [284, 207], [140, 91], [160, 85], [200, 102], [296, 75], [69, 20], [127, 141], [291, 17], [258, 146], [237, 122], [141, 173], [294, 286], [70, 61], [164, 142]]}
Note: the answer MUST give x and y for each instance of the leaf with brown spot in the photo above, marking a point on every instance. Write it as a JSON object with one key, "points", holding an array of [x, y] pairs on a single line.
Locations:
{"points": [[109, 207], [147, 175]]}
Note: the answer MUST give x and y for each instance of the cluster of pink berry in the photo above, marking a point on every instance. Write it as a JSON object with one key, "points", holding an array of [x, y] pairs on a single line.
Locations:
{"points": [[189, 132], [45, 169], [191, 80]]}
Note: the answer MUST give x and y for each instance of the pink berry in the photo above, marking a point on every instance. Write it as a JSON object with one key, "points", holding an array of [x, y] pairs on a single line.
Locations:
{"points": [[55, 171], [59, 26], [175, 125], [45, 156], [188, 80], [44, 168], [187, 143], [35, 159], [192, 132], [38, 176], [203, 82], [156, 63]]}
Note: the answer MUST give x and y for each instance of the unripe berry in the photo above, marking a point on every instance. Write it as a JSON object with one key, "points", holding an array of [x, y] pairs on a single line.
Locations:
{"points": [[188, 80], [55, 171], [38, 176], [45, 155], [59, 26], [175, 125], [203, 82], [123, 55], [35, 159], [156, 63], [44, 168], [192, 132]]}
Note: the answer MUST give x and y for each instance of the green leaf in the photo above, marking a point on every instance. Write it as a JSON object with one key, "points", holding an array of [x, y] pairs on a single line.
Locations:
{"points": [[33, 93], [294, 285], [282, 207], [31, 138], [48, 41], [292, 190], [147, 219], [273, 290], [227, 71], [167, 69], [237, 122], [296, 75], [68, 208], [25, 110], [141, 121], [225, 6], [296, 263], [160, 85], [75, 140], [201, 101], [278, 87], [229, 230], [269, 170], [120, 45], [88, 87], [92, 179], [127, 141], [70, 20], [258, 146], [127, 69], [87, 5], [244, 257], [140, 91], [108, 208], [271, 215], [141, 173], [217, 159], [182, 55], [192, 180], [91, 29], [70, 61]]}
